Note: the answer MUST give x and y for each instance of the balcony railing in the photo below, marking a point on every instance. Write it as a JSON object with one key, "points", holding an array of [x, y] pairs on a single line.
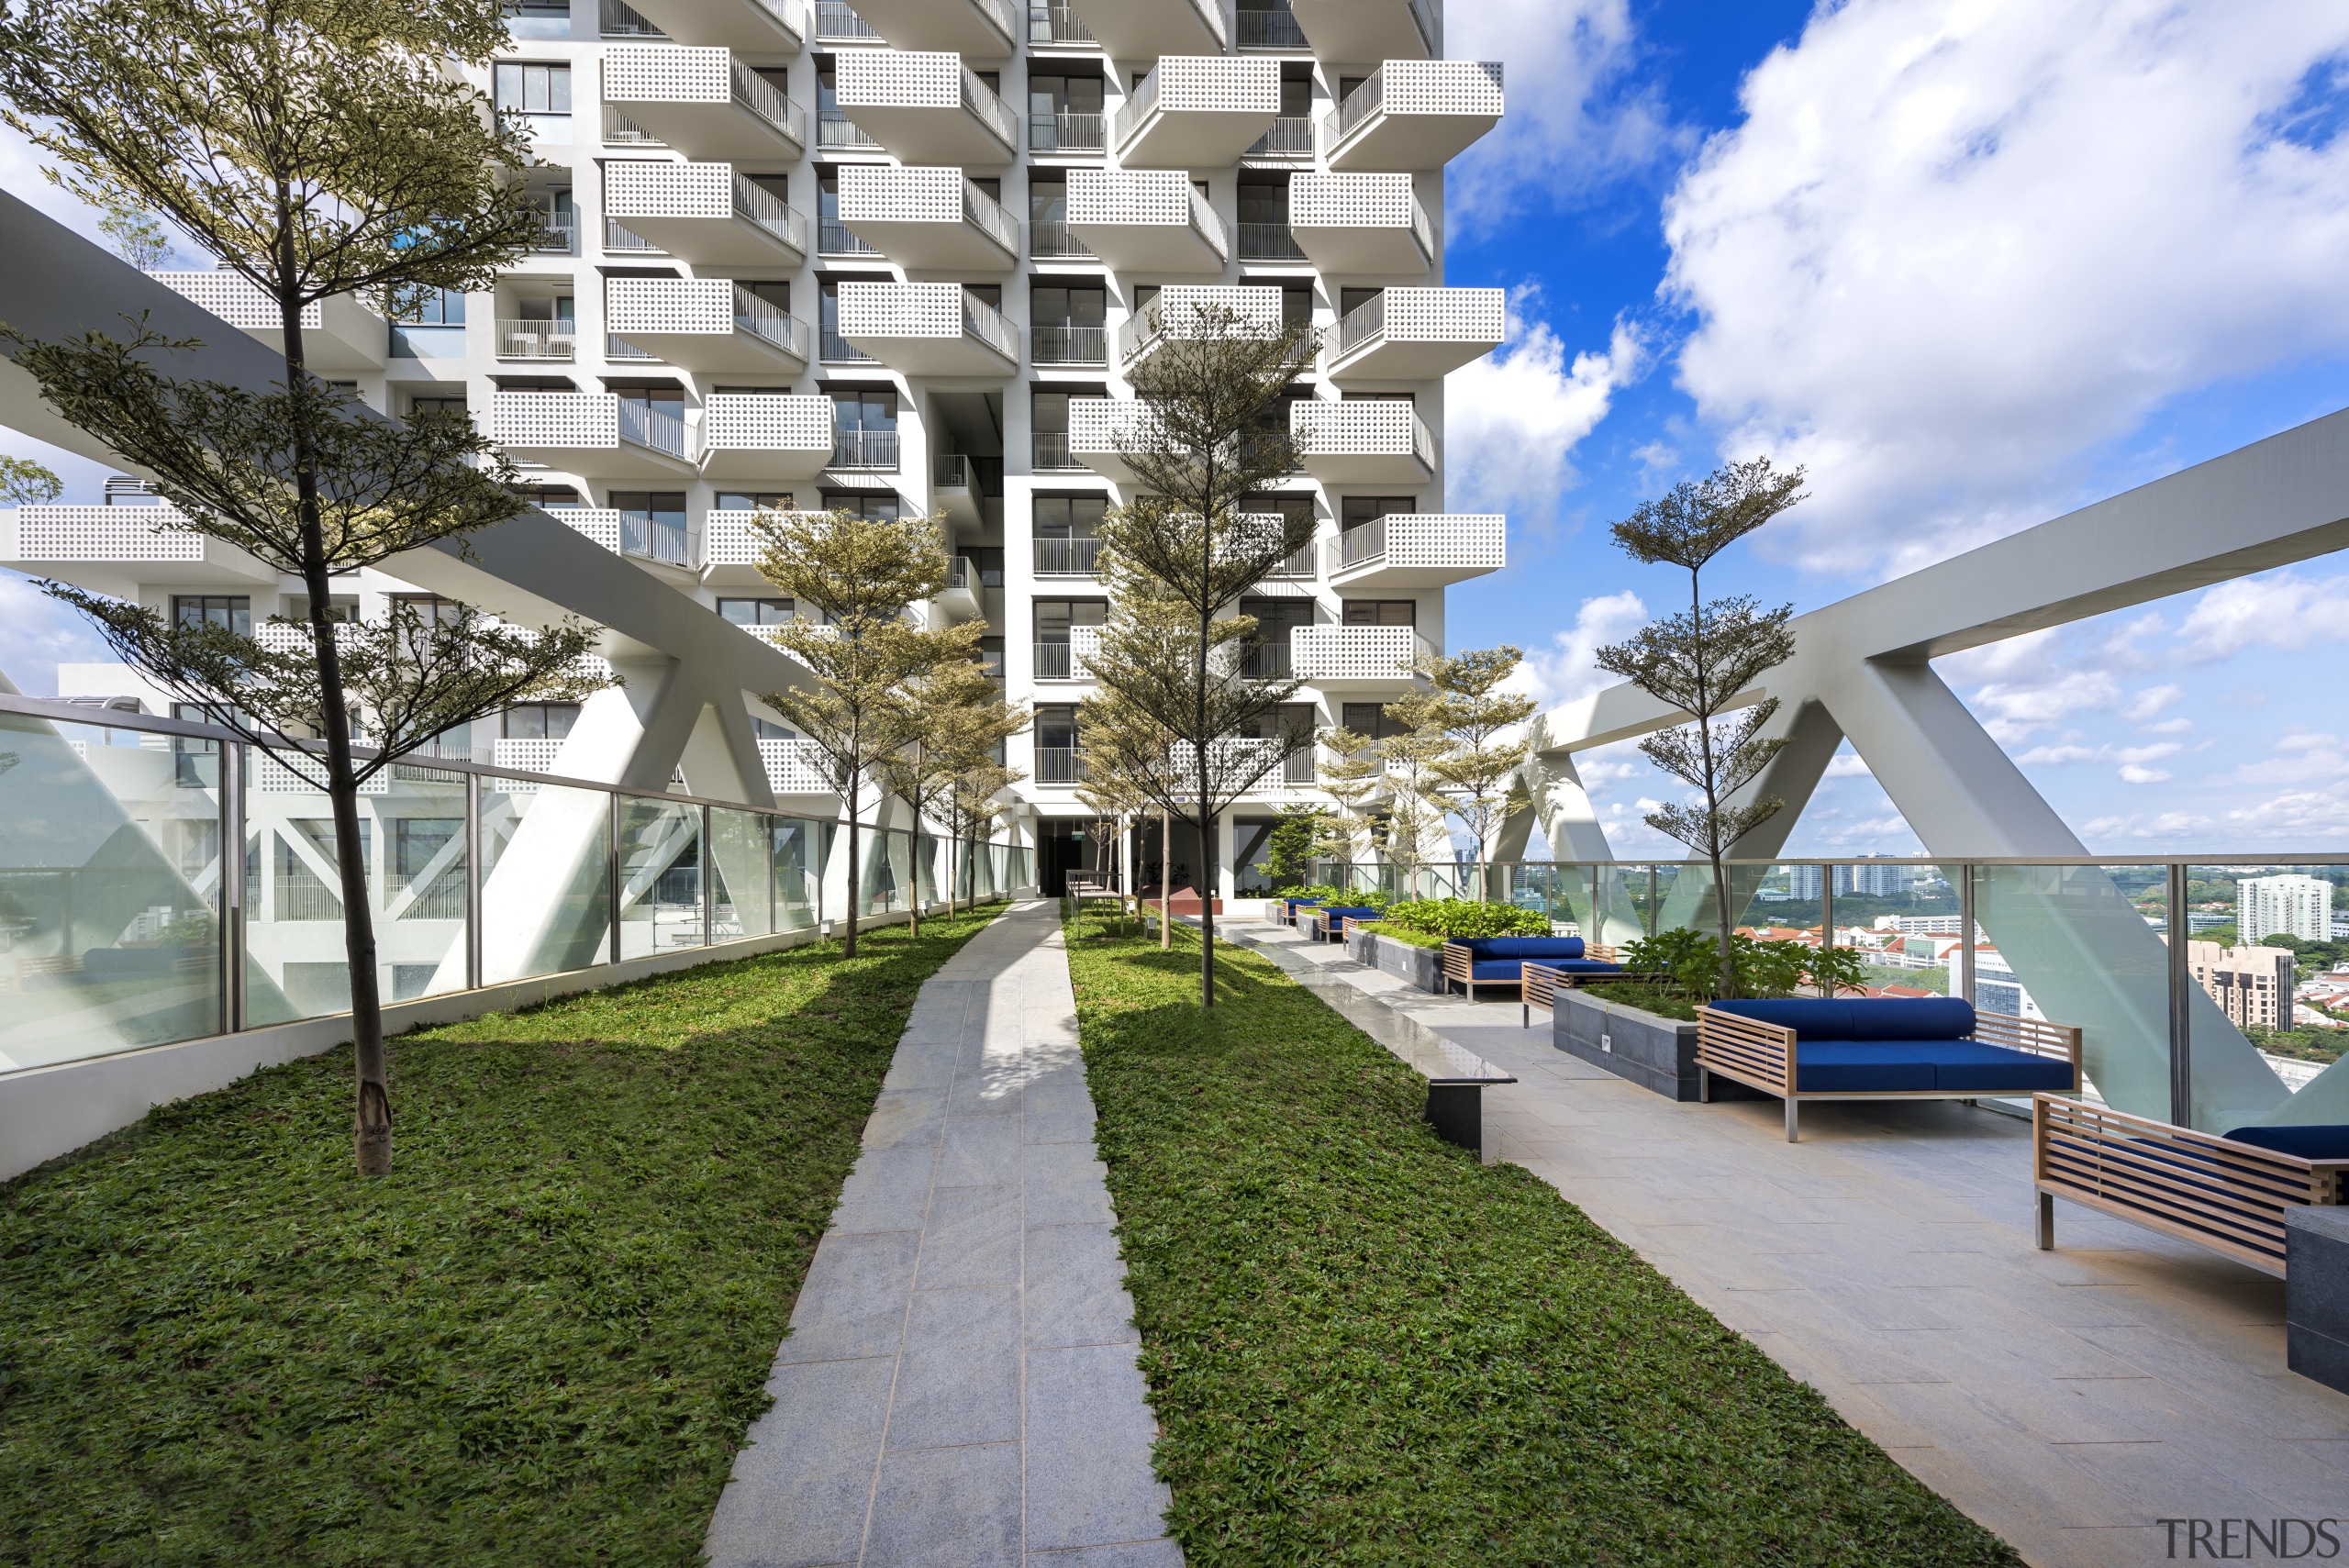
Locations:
{"points": [[1059, 765], [1069, 345], [1299, 564], [1049, 241], [1422, 539], [755, 315], [1268, 242], [558, 234], [1067, 557], [982, 321], [834, 237], [864, 448], [1057, 23], [617, 21], [983, 102], [837, 350], [1065, 132], [1137, 106], [1359, 104], [1051, 455], [761, 207], [1365, 321], [1356, 545], [1272, 26], [1291, 136], [618, 347], [960, 573], [627, 241], [648, 427], [986, 212], [656, 538], [1055, 662], [835, 20], [621, 131], [536, 340], [1266, 660], [834, 128], [754, 92], [949, 470]]}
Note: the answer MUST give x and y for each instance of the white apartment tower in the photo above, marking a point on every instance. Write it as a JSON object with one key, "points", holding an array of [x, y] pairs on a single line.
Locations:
{"points": [[2294, 906], [901, 258]]}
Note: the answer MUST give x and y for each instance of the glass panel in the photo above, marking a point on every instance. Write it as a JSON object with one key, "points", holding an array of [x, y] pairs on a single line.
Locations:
{"points": [[2258, 1050], [926, 867], [743, 893], [109, 889], [2071, 944], [660, 876], [547, 879], [798, 871]]}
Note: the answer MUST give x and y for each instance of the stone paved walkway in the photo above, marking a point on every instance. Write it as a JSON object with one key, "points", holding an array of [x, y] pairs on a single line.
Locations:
{"points": [[2068, 1400], [959, 1387]]}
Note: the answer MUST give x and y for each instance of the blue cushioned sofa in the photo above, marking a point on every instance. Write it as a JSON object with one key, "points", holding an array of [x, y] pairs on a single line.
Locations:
{"points": [[1934, 1047], [1471, 961], [1291, 907], [1330, 919]]}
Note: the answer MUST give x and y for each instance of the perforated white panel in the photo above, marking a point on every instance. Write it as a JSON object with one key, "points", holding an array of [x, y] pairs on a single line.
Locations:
{"points": [[728, 537], [1130, 196], [734, 421], [524, 756], [1220, 84], [555, 419], [649, 74], [1348, 201], [898, 79], [1094, 423], [669, 304], [1352, 652], [901, 310], [1447, 538], [874, 192], [1445, 316], [641, 188], [1083, 642], [601, 524], [1358, 427], [794, 767], [1179, 304], [1441, 87], [236, 300], [274, 777], [102, 533]]}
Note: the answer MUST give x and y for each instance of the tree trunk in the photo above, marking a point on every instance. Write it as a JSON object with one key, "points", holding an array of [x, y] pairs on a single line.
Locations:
{"points": [[370, 1130], [1165, 878], [855, 870]]}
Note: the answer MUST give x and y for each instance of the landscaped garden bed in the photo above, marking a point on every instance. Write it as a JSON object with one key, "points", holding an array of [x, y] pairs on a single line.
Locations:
{"points": [[1365, 1348], [538, 1341]]}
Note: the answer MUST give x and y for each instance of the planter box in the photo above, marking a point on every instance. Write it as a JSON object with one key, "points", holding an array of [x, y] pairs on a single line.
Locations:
{"points": [[1423, 967], [1655, 1052], [2316, 1293]]}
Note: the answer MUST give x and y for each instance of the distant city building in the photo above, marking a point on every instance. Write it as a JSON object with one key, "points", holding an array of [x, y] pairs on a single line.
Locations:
{"points": [[1919, 925], [2294, 906], [1803, 882], [1996, 987], [2251, 984]]}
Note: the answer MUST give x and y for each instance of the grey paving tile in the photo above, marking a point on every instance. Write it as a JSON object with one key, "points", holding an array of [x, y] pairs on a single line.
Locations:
{"points": [[971, 1238], [889, 1190], [853, 1300], [921, 1065], [952, 1507], [979, 1152], [1054, 1199], [801, 1490], [1160, 1553], [1075, 1284], [995, 1091], [905, 1119], [958, 1381], [1089, 1436]]}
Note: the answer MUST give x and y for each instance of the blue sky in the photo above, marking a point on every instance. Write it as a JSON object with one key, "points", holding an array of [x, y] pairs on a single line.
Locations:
{"points": [[1974, 263]]}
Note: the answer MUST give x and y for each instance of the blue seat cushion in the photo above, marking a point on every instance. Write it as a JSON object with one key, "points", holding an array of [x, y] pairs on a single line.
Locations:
{"points": [[1863, 1066], [1497, 969], [1971, 1067], [1547, 949], [1859, 1019], [2315, 1141], [1584, 966]]}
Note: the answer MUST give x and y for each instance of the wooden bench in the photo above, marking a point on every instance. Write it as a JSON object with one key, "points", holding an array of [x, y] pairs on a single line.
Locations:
{"points": [[1461, 960], [1542, 983], [2228, 1197]]}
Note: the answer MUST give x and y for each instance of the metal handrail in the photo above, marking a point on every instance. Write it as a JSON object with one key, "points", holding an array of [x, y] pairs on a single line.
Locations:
{"points": [[1062, 131], [560, 233], [1059, 765], [755, 315], [986, 212], [1057, 23], [1055, 662], [982, 321], [619, 238], [834, 128], [1298, 564], [1076, 557], [949, 470], [1356, 545], [1050, 452], [648, 427], [864, 448], [756, 93], [1431, 33], [834, 19], [669, 544], [1268, 242], [983, 102], [1209, 227], [762, 207], [1268, 26], [1055, 345], [1136, 106], [839, 350], [1360, 103], [618, 20], [1421, 230], [520, 340], [1141, 329], [1290, 136], [1000, 13], [1365, 321], [834, 237], [791, 14], [621, 131], [1051, 240], [1210, 13]]}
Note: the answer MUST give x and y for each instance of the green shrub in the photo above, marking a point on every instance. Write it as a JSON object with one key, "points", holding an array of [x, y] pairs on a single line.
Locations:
{"points": [[1764, 969], [1351, 897], [1395, 933], [1647, 999], [1462, 917]]}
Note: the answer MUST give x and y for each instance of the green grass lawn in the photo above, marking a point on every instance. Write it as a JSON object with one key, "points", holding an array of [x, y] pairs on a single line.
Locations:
{"points": [[1368, 1348], [538, 1342]]}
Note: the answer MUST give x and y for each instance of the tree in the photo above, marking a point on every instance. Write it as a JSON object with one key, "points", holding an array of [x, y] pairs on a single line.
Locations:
{"points": [[1350, 777], [1705, 658], [317, 147], [1411, 761], [24, 482], [863, 575], [1478, 773], [1129, 768], [1288, 848], [1200, 451], [976, 802], [945, 720], [134, 234]]}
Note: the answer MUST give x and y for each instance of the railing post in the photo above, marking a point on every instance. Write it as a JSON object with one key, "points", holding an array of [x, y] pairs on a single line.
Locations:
{"points": [[1826, 908], [612, 876], [232, 886], [2181, 981], [1965, 896], [476, 883], [708, 882], [1650, 921]]}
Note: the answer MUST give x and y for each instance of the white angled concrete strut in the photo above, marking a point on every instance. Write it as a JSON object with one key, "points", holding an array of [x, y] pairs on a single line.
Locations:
{"points": [[1862, 672]]}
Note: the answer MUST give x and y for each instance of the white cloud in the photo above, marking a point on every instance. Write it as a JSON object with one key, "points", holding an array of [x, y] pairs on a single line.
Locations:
{"points": [[1959, 245], [2168, 727], [2056, 756], [2017, 710], [1513, 419], [1848, 764], [2151, 701], [1567, 669], [2279, 609]]}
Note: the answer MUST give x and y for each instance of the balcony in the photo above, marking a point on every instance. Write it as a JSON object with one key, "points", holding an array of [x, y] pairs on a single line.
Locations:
{"points": [[838, 22], [1061, 344], [1302, 567], [704, 324], [1413, 114], [1417, 549], [1258, 25], [1268, 242], [874, 451], [114, 549], [645, 540], [1067, 557], [1356, 32], [1065, 661], [591, 434], [1291, 136], [1058, 764], [558, 235], [927, 218], [1360, 224], [1182, 310], [764, 29], [1065, 132], [795, 766], [1417, 334], [706, 102], [961, 600], [1344, 658], [1052, 26], [1362, 441], [955, 490], [557, 340], [1145, 219], [732, 549], [703, 213], [1049, 453], [925, 108], [1049, 241], [1147, 29], [1096, 425], [983, 29], [927, 329], [755, 436], [1196, 111], [337, 334]]}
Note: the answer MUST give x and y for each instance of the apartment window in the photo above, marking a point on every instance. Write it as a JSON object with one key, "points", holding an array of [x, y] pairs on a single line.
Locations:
{"points": [[834, 348], [538, 18], [439, 307], [1368, 719], [991, 655], [1069, 325], [1055, 616], [430, 608], [437, 405], [865, 430], [1048, 417], [231, 612], [1268, 656], [547, 495], [881, 505], [652, 524], [340, 607], [434, 329], [988, 561], [1056, 743], [767, 729], [539, 721], [1263, 221], [755, 501], [1064, 113], [651, 395], [757, 612], [1066, 544], [1296, 301], [1381, 612], [529, 88], [1356, 510]]}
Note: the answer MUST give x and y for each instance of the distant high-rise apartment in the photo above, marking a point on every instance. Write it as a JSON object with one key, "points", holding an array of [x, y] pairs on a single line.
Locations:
{"points": [[2289, 905], [2251, 984]]}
